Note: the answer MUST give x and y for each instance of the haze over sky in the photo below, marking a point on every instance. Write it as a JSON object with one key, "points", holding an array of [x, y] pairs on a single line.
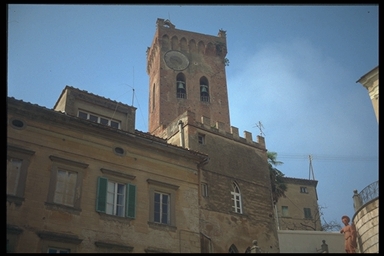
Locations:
{"points": [[293, 68]]}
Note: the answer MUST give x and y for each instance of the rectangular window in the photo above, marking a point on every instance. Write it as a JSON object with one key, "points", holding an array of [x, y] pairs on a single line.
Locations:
{"points": [[115, 124], [201, 139], [303, 190], [83, 115], [161, 208], [65, 187], [57, 250], [18, 160], [99, 119], [93, 118], [65, 183], [284, 211], [307, 213], [162, 202], [103, 121], [116, 198], [204, 189], [13, 233], [13, 174]]}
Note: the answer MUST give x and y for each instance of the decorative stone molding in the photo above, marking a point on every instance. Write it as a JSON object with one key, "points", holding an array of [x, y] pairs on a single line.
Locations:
{"points": [[67, 161], [162, 184], [111, 245], [53, 236], [118, 174]]}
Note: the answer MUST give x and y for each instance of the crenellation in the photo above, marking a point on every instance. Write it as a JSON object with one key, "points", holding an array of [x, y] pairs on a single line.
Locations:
{"points": [[206, 120], [208, 44], [222, 33], [220, 126], [261, 140], [235, 132], [164, 23], [214, 129], [248, 136], [189, 117]]}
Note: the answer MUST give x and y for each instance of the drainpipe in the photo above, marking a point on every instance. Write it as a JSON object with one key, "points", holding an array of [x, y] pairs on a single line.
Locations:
{"points": [[181, 130]]}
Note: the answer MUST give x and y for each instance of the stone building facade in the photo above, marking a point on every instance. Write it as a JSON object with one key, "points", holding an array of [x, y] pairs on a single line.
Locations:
{"points": [[366, 218], [299, 210], [80, 178], [76, 185], [366, 202], [306, 241], [188, 106], [186, 72], [371, 82]]}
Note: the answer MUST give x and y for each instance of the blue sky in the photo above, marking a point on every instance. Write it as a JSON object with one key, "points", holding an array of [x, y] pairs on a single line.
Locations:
{"points": [[292, 68]]}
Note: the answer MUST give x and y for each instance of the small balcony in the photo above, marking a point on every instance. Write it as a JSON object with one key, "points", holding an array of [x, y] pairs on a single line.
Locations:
{"points": [[366, 195]]}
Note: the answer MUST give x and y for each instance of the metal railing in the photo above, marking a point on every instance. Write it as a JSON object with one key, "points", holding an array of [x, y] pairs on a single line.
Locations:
{"points": [[181, 95], [204, 98], [369, 193]]}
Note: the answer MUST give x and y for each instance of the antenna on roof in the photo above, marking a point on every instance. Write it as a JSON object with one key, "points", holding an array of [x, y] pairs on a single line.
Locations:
{"points": [[260, 126], [133, 83], [311, 168]]}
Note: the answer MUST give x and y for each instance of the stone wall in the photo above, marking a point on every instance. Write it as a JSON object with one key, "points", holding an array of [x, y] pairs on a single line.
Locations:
{"points": [[34, 222], [298, 241], [367, 226]]}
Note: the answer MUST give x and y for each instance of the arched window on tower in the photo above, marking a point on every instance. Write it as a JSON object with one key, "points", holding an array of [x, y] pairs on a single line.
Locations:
{"points": [[204, 89], [236, 198], [233, 249], [181, 86]]}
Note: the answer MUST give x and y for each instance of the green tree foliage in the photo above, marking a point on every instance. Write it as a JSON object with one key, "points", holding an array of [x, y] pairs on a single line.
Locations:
{"points": [[277, 181], [226, 62]]}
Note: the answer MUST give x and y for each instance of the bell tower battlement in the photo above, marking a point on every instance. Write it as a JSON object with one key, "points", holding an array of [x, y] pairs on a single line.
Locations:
{"points": [[207, 44], [204, 123], [186, 72]]}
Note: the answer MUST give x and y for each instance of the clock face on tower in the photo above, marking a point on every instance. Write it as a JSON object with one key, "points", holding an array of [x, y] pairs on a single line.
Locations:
{"points": [[176, 60]]}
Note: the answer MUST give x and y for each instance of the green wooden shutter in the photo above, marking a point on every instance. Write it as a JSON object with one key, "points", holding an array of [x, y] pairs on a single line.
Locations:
{"points": [[131, 201], [101, 199]]}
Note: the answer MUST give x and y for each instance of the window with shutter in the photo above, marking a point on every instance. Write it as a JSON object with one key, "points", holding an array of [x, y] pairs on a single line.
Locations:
{"points": [[115, 198]]}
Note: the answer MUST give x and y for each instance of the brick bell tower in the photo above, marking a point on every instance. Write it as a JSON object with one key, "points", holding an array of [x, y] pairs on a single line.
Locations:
{"points": [[186, 72]]}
